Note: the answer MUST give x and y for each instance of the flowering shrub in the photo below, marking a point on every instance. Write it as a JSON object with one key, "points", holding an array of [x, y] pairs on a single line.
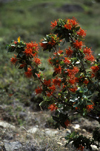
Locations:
{"points": [[75, 82]]}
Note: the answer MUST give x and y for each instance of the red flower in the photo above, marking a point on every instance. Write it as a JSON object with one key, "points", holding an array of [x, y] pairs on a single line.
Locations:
{"points": [[49, 60], [15, 42], [67, 122], [38, 90], [81, 32], [69, 52], [10, 94], [90, 107], [78, 44], [92, 75], [38, 75], [52, 42], [57, 69], [58, 52], [89, 57], [28, 73], [73, 22], [49, 94], [52, 88], [70, 23], [72, 81], [66, 61], [53, 107], [32, 45], [44, 45], [57, 81], [95, 69], [22, 65], [81, 148], [76, 108], [47, 82], [37, 61], [86, 81], [73, 89], [13, 60], [87, 51], [68, 26], [31, 49], [53, 24], [72, 72]]}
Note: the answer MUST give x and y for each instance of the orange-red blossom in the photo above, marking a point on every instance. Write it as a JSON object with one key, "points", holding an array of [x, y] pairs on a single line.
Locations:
{"points": [[13, 60], [67, 122], [53, 107], [90, 107], [28, 73], [81, 148]]}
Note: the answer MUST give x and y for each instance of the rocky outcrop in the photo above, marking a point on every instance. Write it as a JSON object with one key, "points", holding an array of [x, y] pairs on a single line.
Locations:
{"points": [[70, 8]]}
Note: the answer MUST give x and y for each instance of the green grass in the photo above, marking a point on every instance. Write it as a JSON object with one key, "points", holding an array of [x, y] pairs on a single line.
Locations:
{"points": [[29, 19]]}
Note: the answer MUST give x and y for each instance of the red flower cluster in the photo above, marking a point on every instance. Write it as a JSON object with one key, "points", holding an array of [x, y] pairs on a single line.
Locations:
{"points": [[48, 43], [58, 52], [87, 51], [73, 79], [57, 69], [31, 49], [81, 148], [94, 69], [23, 65], [43, 44], [67, 61], [38, 90], [67, 122], [72, 72], [86, 81], [78, 44], [47, 82], [73, 89], [81, 32], [49, 60], [53, 107], [57, 81], [69, 52], [52, 88], [28, 73], [37, 61], [70, 24], [52, 42], [53, 24], [90, 107], [13, 60], [90, 58], [88, 54]]}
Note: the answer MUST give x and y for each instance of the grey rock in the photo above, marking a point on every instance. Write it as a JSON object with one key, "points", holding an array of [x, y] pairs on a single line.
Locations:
{"points": [[33, 130], [6, 125], [94, 148], [22, 115], [51, 132], [71, 8], [11, 146]]}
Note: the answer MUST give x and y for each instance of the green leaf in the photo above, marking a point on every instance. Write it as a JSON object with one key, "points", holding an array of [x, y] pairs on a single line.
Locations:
{"points": [[54, 74], [55, 118], [42, 68], [77, 28], [67, 38], [25, 68]]}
